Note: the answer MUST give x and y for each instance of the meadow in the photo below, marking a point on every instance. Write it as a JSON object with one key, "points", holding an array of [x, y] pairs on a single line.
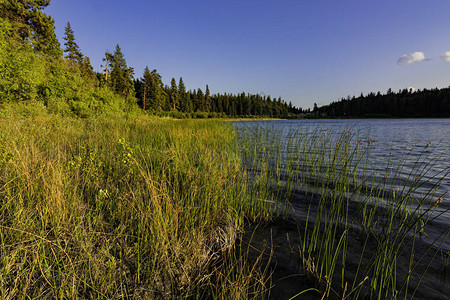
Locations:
{"points": [[121, 206], [128, 205]]}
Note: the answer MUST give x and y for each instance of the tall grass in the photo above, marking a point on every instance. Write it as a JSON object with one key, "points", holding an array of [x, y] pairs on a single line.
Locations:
{"points": [[121, 207], [127, 206]]}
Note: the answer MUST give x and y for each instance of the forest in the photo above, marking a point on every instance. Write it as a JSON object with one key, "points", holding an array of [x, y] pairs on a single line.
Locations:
{"points": [[35, 67], [406, 103]]}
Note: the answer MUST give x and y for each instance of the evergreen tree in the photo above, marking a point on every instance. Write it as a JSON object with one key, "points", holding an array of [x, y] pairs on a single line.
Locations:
{"points": [[189, 104], [199, 101], [86, 68], [207, 100], [121, 75], [146, 88], [158, 94], [152, 91], [182, 96], [32, 25], [71, 47], [174, 97]]}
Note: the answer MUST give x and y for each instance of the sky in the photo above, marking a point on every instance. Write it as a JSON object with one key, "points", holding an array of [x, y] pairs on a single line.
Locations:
{"points": [[303, 51]]}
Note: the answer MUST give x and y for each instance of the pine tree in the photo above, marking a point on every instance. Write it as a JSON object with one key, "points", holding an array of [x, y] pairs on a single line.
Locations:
{"points": [[152, 90], [146, 88], [157, 96], [121, 75], [189, 104], [207, 100], [174, 97], [199, 100], [71, 47], [87, 70], [32, 24], [182, 97]]}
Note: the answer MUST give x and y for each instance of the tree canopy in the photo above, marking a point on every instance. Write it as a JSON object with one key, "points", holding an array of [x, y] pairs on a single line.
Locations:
{"points": [[71, 47], [121, 74], [31, 24]]}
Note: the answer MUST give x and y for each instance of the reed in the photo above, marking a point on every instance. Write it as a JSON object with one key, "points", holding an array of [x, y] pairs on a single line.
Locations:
{"points": [[353, 195]]}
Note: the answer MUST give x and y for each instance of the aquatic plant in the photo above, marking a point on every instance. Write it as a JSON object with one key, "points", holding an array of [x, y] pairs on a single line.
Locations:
{"points": [[382, 206]]}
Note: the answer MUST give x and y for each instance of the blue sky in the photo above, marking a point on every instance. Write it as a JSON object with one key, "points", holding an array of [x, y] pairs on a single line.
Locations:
{"points": [[304, 51]]}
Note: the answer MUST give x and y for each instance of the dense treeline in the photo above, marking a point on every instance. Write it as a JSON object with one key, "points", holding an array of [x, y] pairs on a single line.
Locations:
{"points": [[34, 69], [405, 103], [155, 96]]}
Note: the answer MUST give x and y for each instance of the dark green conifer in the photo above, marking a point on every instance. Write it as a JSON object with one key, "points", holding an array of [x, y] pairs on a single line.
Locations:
{"points": [[121, 74], [71, 47], [146, 88], [199, 100], [174, 97], [32, 25], [182, 95], [158, 95], [207, 100]]}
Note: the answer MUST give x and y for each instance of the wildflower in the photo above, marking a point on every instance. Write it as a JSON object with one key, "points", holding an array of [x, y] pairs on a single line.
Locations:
{"points": [[435, 204]]}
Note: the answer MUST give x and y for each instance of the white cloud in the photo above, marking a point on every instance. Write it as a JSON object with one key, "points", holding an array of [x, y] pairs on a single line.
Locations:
{"points": [[406, 60], [446, 56]]}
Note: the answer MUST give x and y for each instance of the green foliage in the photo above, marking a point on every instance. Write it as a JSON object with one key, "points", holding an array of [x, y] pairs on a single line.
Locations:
{"points": [[121, 74], [63, 86], [71, 47], [151, 91], [31, 24], [174, 95], [22, 71]]}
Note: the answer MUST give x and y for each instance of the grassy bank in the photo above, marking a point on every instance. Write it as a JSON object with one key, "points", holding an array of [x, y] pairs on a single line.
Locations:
{"points": [[120, 207], [128, 205]]}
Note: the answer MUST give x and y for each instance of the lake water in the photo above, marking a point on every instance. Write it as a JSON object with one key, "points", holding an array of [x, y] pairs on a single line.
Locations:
{"points": [[408, 148], [419, 146]]}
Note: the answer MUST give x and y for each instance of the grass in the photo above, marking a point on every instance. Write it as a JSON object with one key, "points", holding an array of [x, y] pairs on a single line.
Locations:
{"points": [[128, 206], [120, 207]]}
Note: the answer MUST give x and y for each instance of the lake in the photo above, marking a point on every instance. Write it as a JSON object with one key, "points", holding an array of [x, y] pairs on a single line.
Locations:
{"points": [[397, 160]]}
